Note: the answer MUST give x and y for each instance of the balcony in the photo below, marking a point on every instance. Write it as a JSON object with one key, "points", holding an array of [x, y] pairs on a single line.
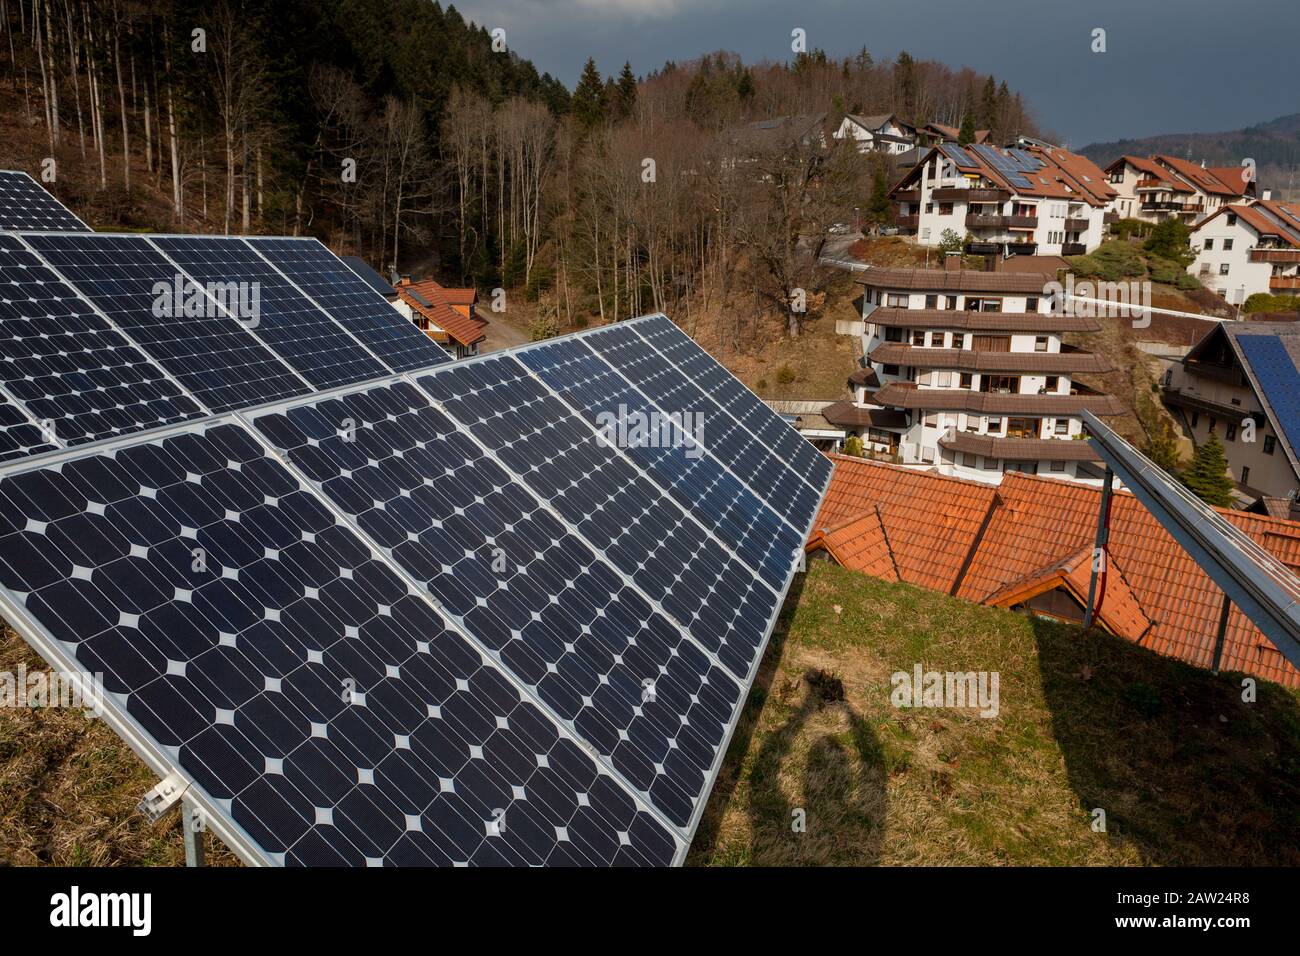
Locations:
{"points": [[1022, 222], [1284, 283], [1076, 225], [979, 220], [1073, 249], [1022, 248], [1275, 255], [962, 194], [1147, 185], [983, 248], [1110, 217], [908, 222], [1163, 205], [908, 195]]}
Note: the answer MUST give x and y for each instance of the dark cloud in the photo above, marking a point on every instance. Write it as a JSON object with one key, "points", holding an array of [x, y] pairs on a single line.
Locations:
{"points": [[1185, 66]]}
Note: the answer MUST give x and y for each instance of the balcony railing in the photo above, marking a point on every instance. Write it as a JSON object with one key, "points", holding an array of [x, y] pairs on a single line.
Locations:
{"points": [[1284, 282], [979, 220], [908, 222], [1076, 225], [963, 194], [1163, 205], [1073, 249], [1275, 255], [1110, 217], [908, 195], [1022, 222], [1144, 185]]}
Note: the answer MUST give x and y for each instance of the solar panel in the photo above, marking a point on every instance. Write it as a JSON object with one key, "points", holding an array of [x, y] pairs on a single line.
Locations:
{"points": [[19, 435], [322, 709], [25, 205], [352, 302], [958, 156], [312, 343], [648, 510], [1008, 165], [210, 353], [591, 649], [1279, 379], [771, 480], [71, 369]]}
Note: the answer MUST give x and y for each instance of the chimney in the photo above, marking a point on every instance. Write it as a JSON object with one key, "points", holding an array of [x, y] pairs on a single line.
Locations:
{"points": [[952, 262], [1268, 194]]}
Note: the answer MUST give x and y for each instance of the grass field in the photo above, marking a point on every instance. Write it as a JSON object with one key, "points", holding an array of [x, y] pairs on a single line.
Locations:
{"points": [[1185, 771]]}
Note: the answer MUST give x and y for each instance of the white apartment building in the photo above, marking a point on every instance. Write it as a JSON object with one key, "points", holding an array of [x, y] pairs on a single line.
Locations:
{"points": [[1242, 250], [1031, 200], [968, 374], [882, 133], [1154, 188]]}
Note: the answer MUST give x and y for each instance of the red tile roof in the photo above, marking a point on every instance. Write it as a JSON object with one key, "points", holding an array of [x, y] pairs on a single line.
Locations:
{"points": [[465, 329], [1152, 170], [1203, 178], [998, 545], [861, 544], [931, 521]]}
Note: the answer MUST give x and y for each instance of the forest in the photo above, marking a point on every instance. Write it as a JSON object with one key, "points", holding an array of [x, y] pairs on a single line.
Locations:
{"points": [[402, 132]]}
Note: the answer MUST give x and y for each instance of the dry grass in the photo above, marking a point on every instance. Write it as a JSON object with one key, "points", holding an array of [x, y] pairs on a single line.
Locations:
{"points": [[69, 787], [1186, 772]]}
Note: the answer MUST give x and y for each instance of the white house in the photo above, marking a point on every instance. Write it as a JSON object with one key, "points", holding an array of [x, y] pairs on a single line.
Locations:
{"points": [[1023, 200], [1159, 187], [882, 133], [967, 374], [1245, 249]]}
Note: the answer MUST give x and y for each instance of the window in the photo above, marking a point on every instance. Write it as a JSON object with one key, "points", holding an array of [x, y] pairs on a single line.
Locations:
{"points": [[1232, 218], [944, 379], [929, 207], [1209, 245], [893, 334], [950, 302], [1213, 423], [932, 420], [895, 301], [936, 340], [965, 380], [1196, 419], [1230, 433], [1269, 444], [983, 305], [945, 209], [1022, 427], [891, 369], [918, 337], [1056, 466], [1169, 377], [1040, 343], [1227, 244], [1223, 268], [994, 426], [1031, 304], [1053, 384], [1062, 426], [932, 302], [969, 461], [1245, 474], [925, 233]]}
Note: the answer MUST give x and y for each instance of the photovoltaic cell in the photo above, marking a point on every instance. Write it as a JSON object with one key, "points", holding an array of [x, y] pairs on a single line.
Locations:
{"points": [[69, 367], [18, 436], [305, 337], [362, 311], [586, 643], [320, 705], [771, 479], [25, 205], [1275, 368], [648, 520]]}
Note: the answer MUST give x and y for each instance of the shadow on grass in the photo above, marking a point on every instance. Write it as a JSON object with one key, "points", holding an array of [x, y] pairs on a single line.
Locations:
{"points": [[843, 782], [1186, 771]]}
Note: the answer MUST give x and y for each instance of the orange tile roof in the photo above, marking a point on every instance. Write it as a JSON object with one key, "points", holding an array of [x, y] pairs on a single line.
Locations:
{"points": [[1153, 170], [1203, 178], [1119, 610], [465, 329], [861, 544], [931, 521], [990, 544]]}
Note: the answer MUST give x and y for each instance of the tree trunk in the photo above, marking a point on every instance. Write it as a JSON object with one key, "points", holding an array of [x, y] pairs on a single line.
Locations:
{"points": [[121, 100]]}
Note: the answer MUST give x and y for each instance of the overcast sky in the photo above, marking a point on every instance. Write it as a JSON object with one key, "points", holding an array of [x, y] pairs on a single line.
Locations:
{"points": [[1169, 66]]}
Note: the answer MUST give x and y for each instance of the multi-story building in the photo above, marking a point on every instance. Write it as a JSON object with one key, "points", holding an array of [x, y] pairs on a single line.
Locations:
{"points": [[882, 133], [1159, 187], [967, 373], [1240, 381], [1030, 200], [1242, 250]]}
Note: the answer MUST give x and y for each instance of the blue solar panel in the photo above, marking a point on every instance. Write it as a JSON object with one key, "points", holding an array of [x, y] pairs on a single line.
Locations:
{"points": [[1275, 369], [1008, 164], [323, 710], [312, 343], [25, 205], [355, 304], [212, 355], [19, 436], [547, 606], [71, 369], [958, 155]]}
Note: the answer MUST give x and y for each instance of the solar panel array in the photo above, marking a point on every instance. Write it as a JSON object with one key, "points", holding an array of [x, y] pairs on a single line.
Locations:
{"points": [[25, 205], [1011, 163], [374, 607], [1275, 368]]}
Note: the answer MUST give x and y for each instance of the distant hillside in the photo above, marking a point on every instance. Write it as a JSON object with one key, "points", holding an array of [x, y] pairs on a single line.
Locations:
{"points": [[1275, 147]]}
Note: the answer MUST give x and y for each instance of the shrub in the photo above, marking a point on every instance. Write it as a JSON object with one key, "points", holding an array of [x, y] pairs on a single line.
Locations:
{"points": [[950, 241], [1130, 227], [1186, 282], [760, 385], [785, 375], [1263, 302], [1169, 240], [853, 446]]}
